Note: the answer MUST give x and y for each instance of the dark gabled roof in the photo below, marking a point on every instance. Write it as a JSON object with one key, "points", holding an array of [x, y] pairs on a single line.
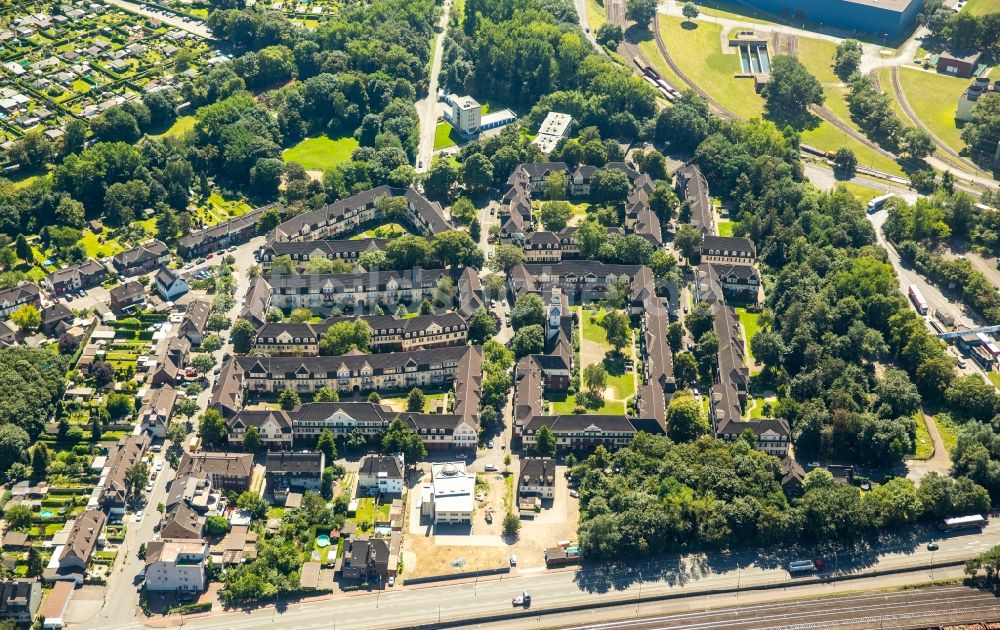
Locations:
{"points": [[127, 292], [354, 362], [140, 254], [759, 426], [196, 316], [576, 423], [426, 421], [411, 325], [528, 388], [83, 535], [736, 272], [735, 246], [326, 247], [299, 462], [538, 240], [258, 301], [340, 282], [537, 471], [247, 418], [207, 463], [360, 411], [56, 313], [227, 393], [166, 277], [372, 465], [182, 521], [429, 213], [219, 230], [695, 190]]}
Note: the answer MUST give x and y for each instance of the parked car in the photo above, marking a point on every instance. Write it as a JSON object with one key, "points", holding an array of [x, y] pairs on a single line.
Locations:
{"points": [[199, 261], [138, 516], [81, 293], [391, 581], [490, 468], [932, 546], [489, 444], [513, 560], [574, 494], [210, 256]]}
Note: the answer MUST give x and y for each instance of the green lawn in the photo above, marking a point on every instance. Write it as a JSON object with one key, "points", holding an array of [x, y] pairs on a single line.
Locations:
{"points": [[932, 97], [445, 136], [982, 7], [725, 228], [389, 230], [180, 127], [399, 402], [994, 377], [596, 15], [367, 514], [218, 209], [696, 49], [948, 430], [321, 152], [566, 405], [97, 249], [924, 446], [861, 192], [592, 329], [750, 324]]}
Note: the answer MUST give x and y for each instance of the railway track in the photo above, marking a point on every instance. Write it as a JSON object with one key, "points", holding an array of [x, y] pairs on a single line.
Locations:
{"points": [[834, 120], [945, 152]]}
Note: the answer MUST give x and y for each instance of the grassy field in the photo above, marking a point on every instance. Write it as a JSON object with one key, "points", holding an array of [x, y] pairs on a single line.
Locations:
{"points": [[862, 193], [596, 16], [725, 228], [567, 404], [982, 7], [389, 230], [924, 447], [321, 152], [750, 323], [218, 209], [592, 329], [932, 97], [180, 127], [445, 136], [948, 429], [697, 51]]}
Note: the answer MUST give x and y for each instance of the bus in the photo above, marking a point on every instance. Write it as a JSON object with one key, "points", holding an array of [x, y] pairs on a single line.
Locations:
{"points": [[876, 204], [918, 300], [973, 521]]}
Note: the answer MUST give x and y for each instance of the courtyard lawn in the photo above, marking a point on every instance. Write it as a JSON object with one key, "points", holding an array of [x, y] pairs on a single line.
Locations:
{"points": [[725, 228], [568, 404], [750, 324], [592, 329], [982, 7], [321, 152], [180, 127], [389, 230], [620, 380], [445, 136], [932, 97]]}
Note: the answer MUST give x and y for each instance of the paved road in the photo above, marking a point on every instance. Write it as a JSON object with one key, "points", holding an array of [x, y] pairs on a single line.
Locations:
{"points": [[191, 26], [595, 584], [581, 11], [428, 107], [121, 597]]}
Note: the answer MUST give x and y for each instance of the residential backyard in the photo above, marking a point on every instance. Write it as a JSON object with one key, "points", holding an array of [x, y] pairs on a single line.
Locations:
{"points": [[321, 152]]}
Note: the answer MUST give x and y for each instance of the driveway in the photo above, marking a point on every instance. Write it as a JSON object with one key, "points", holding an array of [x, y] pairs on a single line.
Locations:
{"points": [[428, 107]]}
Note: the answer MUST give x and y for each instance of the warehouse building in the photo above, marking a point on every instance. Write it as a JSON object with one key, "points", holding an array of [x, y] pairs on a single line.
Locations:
{"points": [[890, 17]]}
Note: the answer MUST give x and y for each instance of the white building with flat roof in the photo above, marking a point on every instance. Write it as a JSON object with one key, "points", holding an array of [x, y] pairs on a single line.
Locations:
{"points": [[449, 496], [173, 565], [465, 113], [554, 128]]}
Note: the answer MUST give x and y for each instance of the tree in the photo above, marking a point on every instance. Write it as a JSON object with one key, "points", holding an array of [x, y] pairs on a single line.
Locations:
{"points": [[345, 336], [399, 438], [477, 172], [556, 214], [685, 369], [203, 362], [242, 336], [14, 443], [688, 241], [506, 257], [528, 310], [791, 90], [251, 503], [690, 11], [326, 444], [463, 211], [326, 394], [897, 395], [845, 163], [641, 12], [39, 461], [35, 565], [374, 398], [511, 524], [27, 317], [251, 440], [482, 326], [528, 340], [610, 35], [556, 185], [136, 478], [456, 248], [177, 432], [847, 58], [545, 442], [595, 377], [211, 427], [685, 421], [120, 405], [96, 427], [972, 397], [768, 347], [216, 525], [675, 336], [616, 325], [415, 400], [289, 399], [18, 517], [300, 315], [22, 248], [699, 320], [186, 407], [918, 143], [442, 175]]}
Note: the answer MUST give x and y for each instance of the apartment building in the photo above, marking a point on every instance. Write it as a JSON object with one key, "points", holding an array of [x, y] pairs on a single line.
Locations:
{"points": [[301, 253], [176, 565], [357, 290]]}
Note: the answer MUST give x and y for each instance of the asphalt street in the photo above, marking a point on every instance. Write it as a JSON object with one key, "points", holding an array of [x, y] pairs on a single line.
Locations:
{"points": [[428, 107], [592, 585]]}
